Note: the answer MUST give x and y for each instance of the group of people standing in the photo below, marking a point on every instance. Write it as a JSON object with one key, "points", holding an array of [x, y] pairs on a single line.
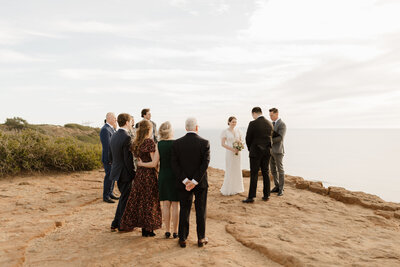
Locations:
{"points": [[150, 167]]}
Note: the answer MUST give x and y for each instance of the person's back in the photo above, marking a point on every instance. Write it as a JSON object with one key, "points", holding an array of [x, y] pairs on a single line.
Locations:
{"points": [[191, 149], [190, 159], [166, 176], [262, 131], [122, 159], [165, 150], [122, 168]]}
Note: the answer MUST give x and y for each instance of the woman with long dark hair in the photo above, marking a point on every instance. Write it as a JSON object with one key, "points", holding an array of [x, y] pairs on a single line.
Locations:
{"points": [[143, 206]]}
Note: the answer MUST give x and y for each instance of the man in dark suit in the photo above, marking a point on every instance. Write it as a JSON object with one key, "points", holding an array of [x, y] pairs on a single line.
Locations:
{"points": [[258, 140], [122, 168], [277, 151], [105, 136], [190, 159]]}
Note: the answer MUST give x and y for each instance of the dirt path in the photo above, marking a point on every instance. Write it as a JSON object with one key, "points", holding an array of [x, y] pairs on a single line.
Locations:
{"points": [[60, 220]]}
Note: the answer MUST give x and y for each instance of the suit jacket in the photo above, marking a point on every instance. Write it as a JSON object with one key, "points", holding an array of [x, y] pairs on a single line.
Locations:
{"points": [[105, 136], [121, 157], [190, 159], [258, 136], [278, 136]]}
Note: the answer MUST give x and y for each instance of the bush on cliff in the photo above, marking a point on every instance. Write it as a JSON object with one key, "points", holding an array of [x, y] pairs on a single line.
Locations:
{"points": [[28, 150]]}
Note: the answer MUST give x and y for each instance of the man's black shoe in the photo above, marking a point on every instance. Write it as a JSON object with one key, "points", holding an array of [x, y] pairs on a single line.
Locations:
{"points": [[265, 198], [275, 190], [280, 193], [248, 200], [114, 197], [108, 200]]}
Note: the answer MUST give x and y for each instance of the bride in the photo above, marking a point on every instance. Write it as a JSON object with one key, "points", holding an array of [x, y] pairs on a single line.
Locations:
{"points": [[233, 180]]}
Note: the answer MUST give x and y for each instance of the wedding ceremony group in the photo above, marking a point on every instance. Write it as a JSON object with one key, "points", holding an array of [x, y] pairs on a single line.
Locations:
{"points": [[159, 176]]}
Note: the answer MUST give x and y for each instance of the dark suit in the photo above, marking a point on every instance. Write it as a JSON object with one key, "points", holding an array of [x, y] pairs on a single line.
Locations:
{"points": [[122, 169], [190, 159], [105, 136], [258, 140]]}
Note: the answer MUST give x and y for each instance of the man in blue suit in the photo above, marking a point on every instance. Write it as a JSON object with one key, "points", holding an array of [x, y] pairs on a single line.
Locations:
{"points": [[105, 136]]}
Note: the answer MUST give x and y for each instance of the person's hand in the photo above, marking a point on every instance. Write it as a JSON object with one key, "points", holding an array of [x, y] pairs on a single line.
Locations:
{"points": [[139, 162], [190, 185], [235, 151]]}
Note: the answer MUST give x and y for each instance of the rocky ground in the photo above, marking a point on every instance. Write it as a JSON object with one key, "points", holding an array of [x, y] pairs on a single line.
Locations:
{"points": [[61, 220]]}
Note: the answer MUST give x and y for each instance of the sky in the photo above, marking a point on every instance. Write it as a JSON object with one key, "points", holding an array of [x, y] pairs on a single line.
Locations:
{"points": [[323, 64]]}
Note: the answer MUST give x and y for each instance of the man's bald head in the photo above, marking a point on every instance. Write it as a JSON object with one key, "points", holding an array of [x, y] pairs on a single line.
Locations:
{"points": [[111, 119]]}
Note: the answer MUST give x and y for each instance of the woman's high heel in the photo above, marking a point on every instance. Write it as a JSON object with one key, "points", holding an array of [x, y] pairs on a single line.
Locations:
{"points": [[146, 233], [167, 234], [175, 235]]}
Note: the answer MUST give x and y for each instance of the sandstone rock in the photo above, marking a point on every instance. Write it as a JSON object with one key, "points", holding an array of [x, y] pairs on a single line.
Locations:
{"points": [[246, 173], [318, 188], [303, 184], [292, 180], [397, 214], [385, 214]]}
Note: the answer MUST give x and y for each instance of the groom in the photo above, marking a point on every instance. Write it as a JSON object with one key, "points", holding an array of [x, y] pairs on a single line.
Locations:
{"points": [[190, 159], [258, 140]]}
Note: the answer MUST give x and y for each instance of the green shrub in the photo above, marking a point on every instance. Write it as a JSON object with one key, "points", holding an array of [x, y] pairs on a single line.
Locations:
{"points": [[16, 123], [30, 150], [78, 126]]}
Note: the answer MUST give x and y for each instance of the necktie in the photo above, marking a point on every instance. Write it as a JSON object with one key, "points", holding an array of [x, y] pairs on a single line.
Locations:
{"points": [[273, 123]]}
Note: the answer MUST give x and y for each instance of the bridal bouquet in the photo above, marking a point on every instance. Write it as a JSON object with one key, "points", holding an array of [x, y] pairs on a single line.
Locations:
{"points": [[238, 145]]}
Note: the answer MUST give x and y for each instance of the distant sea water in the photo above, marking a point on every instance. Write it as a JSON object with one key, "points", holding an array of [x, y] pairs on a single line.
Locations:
{"points": [[357, 159]]}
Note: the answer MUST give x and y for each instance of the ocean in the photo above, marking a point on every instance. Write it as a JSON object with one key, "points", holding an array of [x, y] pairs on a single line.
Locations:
{"points": [[356, 159]]}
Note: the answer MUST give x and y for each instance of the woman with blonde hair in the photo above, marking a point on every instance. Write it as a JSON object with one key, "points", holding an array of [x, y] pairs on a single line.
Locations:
{"points": [[143, 207], [166, 179]]}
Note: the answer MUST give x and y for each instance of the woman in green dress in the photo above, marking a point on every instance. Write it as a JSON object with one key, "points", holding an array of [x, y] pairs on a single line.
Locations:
{"points": [[166, 179]]}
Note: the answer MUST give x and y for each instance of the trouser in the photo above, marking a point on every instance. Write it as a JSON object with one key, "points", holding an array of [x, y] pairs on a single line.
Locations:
{"points": [[277, 170], [255, 164], [125, 189], [200, 203], [108, 185]]}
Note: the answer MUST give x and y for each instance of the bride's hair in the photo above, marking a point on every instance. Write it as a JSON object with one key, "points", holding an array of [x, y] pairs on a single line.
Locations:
{"points": [[231, 119], [142, 133], [165, 130]]}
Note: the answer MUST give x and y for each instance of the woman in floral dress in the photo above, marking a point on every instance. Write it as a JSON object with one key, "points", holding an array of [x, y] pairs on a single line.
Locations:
{"points": [[143, 206]]}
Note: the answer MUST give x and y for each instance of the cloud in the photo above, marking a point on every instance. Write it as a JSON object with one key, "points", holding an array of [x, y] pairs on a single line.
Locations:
{"points": [[287, 20], [10, 56]]}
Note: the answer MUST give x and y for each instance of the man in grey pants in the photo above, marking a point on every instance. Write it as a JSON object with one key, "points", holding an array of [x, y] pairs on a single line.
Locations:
{"points": [[277, 151]]}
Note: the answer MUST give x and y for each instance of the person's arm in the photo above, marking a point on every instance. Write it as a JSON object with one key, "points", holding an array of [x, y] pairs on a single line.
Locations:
{"points": [[199, 175], [128, 157], [155, 159], [249, 136], [105, 142], [223, 144], [281, 134], [176, 164], [110, 157]]}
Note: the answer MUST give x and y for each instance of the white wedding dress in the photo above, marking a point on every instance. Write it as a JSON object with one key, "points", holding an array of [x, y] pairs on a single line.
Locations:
{"points": [[233, 180]]}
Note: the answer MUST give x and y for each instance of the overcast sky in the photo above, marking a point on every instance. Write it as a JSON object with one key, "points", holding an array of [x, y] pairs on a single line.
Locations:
{"points": [[323, 63]]}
